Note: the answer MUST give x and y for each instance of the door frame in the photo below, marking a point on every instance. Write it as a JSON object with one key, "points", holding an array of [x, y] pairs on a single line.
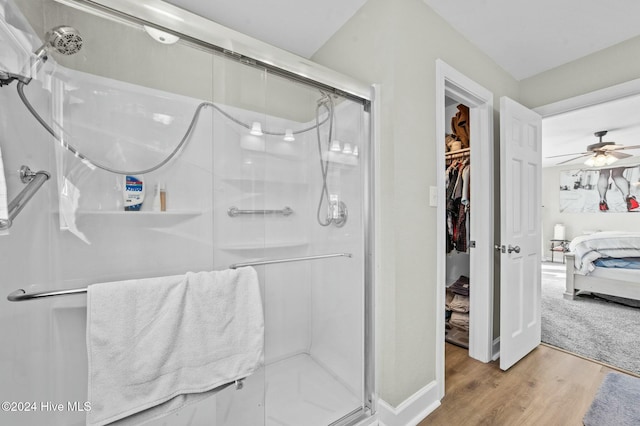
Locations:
{"points": [[453, 84], [611, 93]]}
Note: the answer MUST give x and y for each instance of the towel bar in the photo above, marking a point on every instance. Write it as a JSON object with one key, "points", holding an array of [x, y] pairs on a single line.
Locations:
{"points": [[21, 295]]}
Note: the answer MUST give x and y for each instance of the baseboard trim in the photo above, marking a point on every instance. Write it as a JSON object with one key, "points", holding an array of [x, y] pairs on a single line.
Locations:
{"points": [[411, 411], [495, 350]]}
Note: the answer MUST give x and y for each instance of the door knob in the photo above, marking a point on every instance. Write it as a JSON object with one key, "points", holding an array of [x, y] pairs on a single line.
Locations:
{"points": [[511, 248]]}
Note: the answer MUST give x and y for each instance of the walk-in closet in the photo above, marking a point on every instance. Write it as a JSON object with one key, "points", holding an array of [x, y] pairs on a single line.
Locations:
{"points": [[458, 209]]}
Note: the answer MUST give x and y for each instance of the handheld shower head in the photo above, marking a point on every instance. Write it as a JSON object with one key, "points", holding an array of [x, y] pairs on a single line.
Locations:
{"points": [[63, 39]]}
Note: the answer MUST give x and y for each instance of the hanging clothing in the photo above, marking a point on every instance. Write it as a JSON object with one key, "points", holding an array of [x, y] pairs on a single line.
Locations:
{"points": [[458, 182]]}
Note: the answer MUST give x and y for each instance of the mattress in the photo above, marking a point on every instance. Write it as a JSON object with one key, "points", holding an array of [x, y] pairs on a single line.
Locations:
{"points": [[621, 274]]}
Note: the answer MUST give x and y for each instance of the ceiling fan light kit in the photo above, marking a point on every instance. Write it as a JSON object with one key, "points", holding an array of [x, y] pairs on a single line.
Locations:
{"points": [[599, 160], [600, 154]]}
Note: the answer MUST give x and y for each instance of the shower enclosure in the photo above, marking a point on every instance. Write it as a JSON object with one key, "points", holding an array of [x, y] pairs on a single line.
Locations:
{"points": [[274, 167]]}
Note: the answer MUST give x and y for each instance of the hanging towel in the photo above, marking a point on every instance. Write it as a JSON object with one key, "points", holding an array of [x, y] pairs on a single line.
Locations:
{"points": [[4, 208], [155, 345]]}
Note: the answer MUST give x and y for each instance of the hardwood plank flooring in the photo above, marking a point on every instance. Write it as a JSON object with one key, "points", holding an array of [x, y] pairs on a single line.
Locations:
{"points": [[547, 387]]}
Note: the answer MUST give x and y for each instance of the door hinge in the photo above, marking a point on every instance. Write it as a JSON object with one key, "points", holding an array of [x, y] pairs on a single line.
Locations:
{"points": [[472, 244]]}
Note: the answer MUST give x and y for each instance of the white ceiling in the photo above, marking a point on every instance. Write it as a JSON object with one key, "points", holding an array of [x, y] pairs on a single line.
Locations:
{"points": [[527, 37], [299, 26], [524, 37]]}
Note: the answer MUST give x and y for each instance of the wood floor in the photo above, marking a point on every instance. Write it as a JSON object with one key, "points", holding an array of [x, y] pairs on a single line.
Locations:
{"points": [[547, 387]]}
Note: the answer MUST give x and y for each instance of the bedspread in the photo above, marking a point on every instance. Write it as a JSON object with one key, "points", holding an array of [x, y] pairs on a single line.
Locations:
{"points": [[588, 248]]}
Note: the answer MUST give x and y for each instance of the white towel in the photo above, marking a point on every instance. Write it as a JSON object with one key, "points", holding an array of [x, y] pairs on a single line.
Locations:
{"points": [[155, 345], [4, 208]]}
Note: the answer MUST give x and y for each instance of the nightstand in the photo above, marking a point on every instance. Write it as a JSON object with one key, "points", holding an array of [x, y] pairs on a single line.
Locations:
{"points": [[559, 246]]}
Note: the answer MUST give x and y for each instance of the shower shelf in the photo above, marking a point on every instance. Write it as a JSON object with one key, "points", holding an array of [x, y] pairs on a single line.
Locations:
{"points": [[292, 181], [338, 158], [176, 213], [149, 218]]}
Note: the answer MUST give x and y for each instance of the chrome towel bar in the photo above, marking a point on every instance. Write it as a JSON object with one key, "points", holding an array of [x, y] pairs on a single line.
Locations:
{"points": [[234, 211], [21, 295], [291, 259]]}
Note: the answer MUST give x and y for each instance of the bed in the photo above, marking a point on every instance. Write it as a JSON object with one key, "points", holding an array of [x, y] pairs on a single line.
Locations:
{"points": [[605, 263]]}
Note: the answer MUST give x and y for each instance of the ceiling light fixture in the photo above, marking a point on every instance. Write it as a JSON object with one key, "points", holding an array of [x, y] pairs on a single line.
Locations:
{"points": [[600, 160]]}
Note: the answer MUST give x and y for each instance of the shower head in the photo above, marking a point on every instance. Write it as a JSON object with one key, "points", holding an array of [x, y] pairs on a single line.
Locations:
{"points": [[63, 39]]}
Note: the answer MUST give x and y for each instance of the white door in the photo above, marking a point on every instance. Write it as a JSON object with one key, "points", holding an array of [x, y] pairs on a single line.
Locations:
{"points": [[520, 182]]}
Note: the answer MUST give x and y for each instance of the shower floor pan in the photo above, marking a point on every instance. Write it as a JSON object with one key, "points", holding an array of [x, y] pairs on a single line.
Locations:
{"points": [[301, 392], [295, 391]]}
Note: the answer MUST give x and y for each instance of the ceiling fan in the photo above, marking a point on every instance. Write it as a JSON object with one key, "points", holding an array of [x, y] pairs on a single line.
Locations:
{"points": [[600, 153]]}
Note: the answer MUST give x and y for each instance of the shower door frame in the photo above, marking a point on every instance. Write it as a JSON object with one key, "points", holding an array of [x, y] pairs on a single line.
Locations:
{"points": [[210, 36]]}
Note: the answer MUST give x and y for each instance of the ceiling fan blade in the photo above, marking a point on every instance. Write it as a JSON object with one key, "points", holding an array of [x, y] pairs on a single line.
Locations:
{"points": [[573, 153], [628, 147], [619, 155], [572, 159]]}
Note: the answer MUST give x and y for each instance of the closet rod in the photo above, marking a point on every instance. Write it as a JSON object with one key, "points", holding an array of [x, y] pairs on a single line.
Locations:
{"points": [[21, 295], [466, 152]]}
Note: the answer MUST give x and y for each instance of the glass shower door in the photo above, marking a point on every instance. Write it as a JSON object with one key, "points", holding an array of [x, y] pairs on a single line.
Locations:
{"points": [[238, 198], [272, 169], [314, 308]]}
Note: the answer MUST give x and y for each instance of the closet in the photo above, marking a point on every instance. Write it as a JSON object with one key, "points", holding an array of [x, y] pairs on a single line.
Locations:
{"points": [[458, 209]]}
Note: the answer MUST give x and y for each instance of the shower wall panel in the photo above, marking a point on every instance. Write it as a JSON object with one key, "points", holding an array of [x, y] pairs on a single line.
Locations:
{"points": [[25, 371]]}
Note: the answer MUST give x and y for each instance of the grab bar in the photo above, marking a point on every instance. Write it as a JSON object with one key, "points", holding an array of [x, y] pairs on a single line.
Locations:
{"points": [[34, 181], [234, 211], [21, 295]]}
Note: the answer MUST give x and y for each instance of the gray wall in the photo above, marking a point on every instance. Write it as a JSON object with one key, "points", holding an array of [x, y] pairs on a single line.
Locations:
{"points": [[608, 67], [396, 43]]}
